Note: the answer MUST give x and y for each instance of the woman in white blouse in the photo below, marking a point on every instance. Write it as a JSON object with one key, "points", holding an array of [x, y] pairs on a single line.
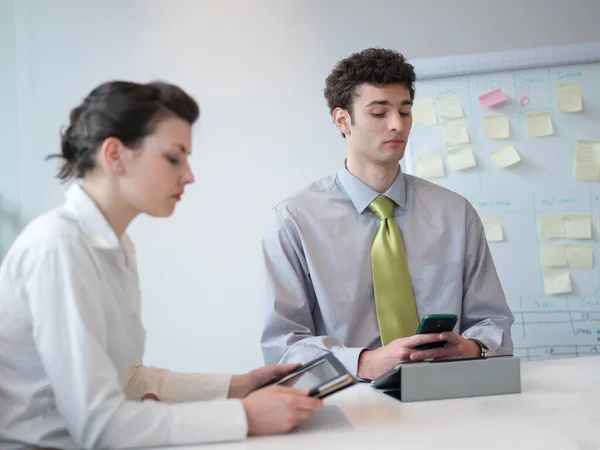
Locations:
{"points": [[71, 340]]}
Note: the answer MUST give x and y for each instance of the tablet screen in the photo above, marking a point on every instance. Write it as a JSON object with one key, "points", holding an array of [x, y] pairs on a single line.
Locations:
{"points": [[314, 376]]}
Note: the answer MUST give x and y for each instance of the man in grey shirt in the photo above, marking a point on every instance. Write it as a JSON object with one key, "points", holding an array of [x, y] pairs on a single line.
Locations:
{"points": [[319, 294]]}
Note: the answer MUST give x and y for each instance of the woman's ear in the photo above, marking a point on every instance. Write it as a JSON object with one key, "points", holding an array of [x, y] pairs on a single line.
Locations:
{"points": [[110, 156]]}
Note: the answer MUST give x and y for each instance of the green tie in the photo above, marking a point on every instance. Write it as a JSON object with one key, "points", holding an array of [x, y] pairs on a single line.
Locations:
{"points": [[394, 298]]}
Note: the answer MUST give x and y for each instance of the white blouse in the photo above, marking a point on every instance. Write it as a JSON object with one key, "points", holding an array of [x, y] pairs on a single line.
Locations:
{"points": [[71, 347]]}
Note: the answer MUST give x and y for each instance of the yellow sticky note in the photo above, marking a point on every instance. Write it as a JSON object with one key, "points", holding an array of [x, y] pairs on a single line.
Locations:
{"points": [[505, 157], [455, 132], [449, 106], [580, 256], [493, 229], [557, 281], [587, 161], [430, 166], [461, 158], [568, 97], [551, 226], [578, 226], [553, 255], [423, 112], [539, 124], [496, 127]]}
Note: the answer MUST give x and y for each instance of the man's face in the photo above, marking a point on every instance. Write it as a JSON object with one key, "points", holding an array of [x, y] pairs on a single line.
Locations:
{"points": [[382, 122]]}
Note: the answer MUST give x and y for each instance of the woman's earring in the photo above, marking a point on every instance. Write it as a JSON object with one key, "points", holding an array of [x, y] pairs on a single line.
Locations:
{"points": [[119, 169]]}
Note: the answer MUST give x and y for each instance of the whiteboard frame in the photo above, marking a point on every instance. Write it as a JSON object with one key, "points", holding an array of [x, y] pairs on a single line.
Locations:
{"points": [[528, 58]]}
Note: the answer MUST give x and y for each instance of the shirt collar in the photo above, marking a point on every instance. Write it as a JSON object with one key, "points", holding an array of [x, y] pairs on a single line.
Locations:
{"points": [[362, 195], [91, 219]]}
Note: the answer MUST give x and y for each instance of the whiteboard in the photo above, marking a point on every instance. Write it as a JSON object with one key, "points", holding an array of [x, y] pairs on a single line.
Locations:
{"points": [[546, 325]]}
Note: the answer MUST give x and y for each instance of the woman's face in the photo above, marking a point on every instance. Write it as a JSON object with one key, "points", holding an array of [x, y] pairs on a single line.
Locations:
{"points": [[157, 172]]}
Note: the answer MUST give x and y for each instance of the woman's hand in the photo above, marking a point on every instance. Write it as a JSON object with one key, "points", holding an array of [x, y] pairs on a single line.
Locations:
{"points": [[242, 385]]}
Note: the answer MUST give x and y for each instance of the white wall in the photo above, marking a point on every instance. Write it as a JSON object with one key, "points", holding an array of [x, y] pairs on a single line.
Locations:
{"points": [[257, 68], [9, 155]]}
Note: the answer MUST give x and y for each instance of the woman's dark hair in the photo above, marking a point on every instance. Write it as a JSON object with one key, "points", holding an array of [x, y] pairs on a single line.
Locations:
{"points": [[124, 110], [376, 66]]}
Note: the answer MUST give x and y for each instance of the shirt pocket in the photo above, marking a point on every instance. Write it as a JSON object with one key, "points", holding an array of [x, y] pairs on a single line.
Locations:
{"points": [[441, 274], [439, 290]]}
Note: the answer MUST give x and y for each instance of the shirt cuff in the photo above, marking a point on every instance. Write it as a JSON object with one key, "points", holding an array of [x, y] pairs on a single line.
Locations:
{"points": [[490, 343], [349, 358], [222, 420]]}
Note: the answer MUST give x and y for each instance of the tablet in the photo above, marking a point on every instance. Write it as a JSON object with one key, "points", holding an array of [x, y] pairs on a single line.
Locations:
{"points": [[388, 380], [321, 377]]}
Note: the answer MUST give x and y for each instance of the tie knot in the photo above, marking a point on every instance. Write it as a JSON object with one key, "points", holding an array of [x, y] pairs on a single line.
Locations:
{"points": [[382, 207]]}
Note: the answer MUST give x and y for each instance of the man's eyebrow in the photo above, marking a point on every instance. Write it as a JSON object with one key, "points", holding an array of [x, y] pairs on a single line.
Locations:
{"points": [[379, 102], [388, 103]]}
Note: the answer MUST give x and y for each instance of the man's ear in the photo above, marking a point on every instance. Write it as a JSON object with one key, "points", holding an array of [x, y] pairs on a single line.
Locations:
{"points": [[341, 118]]}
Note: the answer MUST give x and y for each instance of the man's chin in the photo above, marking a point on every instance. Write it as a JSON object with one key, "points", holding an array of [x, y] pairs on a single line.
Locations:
{"points": [[387, 156]]}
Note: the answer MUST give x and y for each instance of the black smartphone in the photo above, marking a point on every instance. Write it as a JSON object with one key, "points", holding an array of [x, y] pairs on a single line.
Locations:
{"points": [[436, 323]]}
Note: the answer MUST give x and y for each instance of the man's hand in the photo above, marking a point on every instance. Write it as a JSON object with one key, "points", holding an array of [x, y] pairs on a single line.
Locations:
{"points": [[242, 385], [278, 409], [373, 363], [457, 347]]}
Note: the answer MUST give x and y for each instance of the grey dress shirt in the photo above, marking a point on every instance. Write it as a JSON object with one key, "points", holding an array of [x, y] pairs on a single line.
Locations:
{"points": [[318, 285]]}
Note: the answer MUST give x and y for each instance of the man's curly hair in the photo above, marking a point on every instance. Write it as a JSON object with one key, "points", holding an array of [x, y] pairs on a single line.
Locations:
{"points": [[376, 66]]}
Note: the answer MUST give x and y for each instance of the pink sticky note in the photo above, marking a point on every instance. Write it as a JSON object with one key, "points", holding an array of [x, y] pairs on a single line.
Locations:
{"points": [[492, 98]]}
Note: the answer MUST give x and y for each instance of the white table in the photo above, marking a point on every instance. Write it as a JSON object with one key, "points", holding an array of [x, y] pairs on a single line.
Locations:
{"points": [[559, 408]]}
